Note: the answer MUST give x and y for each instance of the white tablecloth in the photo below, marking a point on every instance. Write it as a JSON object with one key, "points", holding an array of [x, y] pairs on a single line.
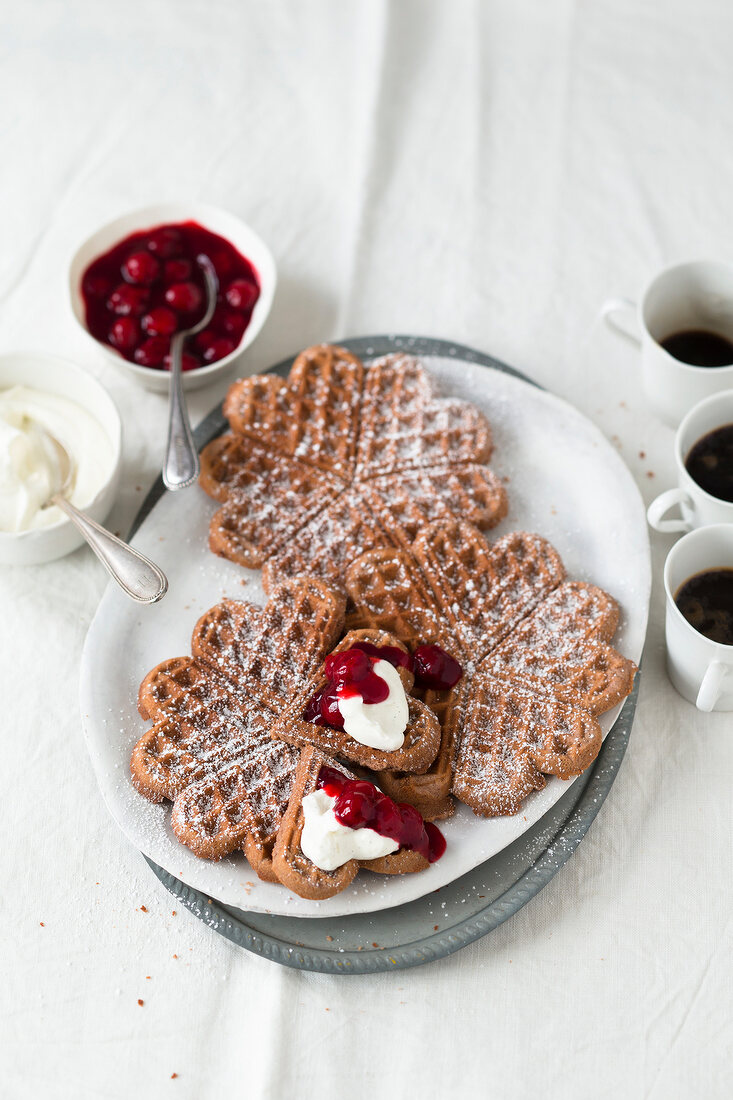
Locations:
{"points": [[482, 171]]}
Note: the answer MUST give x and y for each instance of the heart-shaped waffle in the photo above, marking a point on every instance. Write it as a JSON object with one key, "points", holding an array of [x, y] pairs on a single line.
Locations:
{"points": [[538, 668], [422, 736], [211, 750], [294, 870], [336, 460]]}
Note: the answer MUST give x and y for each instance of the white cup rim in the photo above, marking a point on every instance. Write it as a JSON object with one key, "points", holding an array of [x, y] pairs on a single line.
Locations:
{"points": [[642, 308], [689, 481], [698, 533]]}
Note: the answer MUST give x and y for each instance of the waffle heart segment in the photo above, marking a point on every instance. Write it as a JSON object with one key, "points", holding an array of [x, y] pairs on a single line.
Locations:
{"points": [[422, 734], [313, 416], [561, 647], [328, 544], [522, 633], [403, 427], [337, 459], [509, 738], [270, 651], [299, 873], [241, 807], [199, 728], [264, 496]]}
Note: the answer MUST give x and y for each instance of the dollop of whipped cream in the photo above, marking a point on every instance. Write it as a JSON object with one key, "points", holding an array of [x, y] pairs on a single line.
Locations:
{"points": [[378, 725], [30, 465], [328, 843]]}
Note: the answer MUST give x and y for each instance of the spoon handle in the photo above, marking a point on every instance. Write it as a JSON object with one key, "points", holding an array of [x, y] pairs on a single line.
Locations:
{"points": [[135, 574], [181, 466]]}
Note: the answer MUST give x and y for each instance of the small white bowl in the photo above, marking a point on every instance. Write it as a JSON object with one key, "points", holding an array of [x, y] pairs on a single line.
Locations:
{"points": [[59, 376], [226, 225]]}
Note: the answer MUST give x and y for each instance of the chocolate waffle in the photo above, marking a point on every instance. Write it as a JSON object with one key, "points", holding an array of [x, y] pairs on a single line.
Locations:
{"points": [[337, 460], [211, 750], [294, 870], [538, 668], [422, 736]]}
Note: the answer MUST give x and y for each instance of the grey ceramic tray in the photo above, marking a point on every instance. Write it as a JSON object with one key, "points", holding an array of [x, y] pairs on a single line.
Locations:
{"points": [[447, 919]]}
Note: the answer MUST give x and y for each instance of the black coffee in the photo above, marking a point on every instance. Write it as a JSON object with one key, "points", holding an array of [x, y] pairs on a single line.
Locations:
{"points": [[699, 348], [710, 463], [706, 601]]}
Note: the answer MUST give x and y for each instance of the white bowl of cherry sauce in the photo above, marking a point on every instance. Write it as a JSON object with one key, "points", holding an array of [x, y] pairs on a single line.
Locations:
{"points": [[135, 282]]}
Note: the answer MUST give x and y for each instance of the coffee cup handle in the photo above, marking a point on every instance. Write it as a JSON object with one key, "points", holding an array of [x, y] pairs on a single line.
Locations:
{"points": [[662, 504], [609, 310], [711, 685]]}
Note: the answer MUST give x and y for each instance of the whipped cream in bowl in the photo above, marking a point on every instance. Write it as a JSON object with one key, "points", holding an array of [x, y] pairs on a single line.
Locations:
{"points": [[43, 396]]}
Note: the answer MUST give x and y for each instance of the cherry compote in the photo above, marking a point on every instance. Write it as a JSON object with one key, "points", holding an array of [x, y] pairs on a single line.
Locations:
{"points": [[431, 665], [400, 658], [359, 804], [351, 672], [149, 286], [434, 668]]}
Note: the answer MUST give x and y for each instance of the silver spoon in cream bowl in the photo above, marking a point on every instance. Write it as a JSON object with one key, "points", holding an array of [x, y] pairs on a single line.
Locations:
{"points": [[136, 575]]}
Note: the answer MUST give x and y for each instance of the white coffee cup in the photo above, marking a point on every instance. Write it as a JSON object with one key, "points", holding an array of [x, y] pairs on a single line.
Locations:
{"points": [[694, 295], [700, 669], [698, 507]]}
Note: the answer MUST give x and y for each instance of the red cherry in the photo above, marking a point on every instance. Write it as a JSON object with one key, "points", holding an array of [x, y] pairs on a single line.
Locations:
{"points": [[96, 286], [330, 712], [312, 713], [128, 301], [176, 271], [241, 294], [217, 349], [233, 324], [222, 262], [185, 297], [152, 351], [434, 668], [188, 362], [349, 665], [331, 780], [387, 818], [165, 242], [355, 804], [160, 322], [124, 334], [141, 269], [204, 338]]}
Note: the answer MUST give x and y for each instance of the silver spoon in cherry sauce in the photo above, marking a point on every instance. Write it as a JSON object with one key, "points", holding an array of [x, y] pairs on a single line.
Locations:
{"points": [[181, 466]]}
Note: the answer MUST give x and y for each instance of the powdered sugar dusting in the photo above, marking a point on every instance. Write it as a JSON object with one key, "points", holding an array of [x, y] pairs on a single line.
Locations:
{"points": [[531, 651], [209, 749], [564, 480], [346, 463]]}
